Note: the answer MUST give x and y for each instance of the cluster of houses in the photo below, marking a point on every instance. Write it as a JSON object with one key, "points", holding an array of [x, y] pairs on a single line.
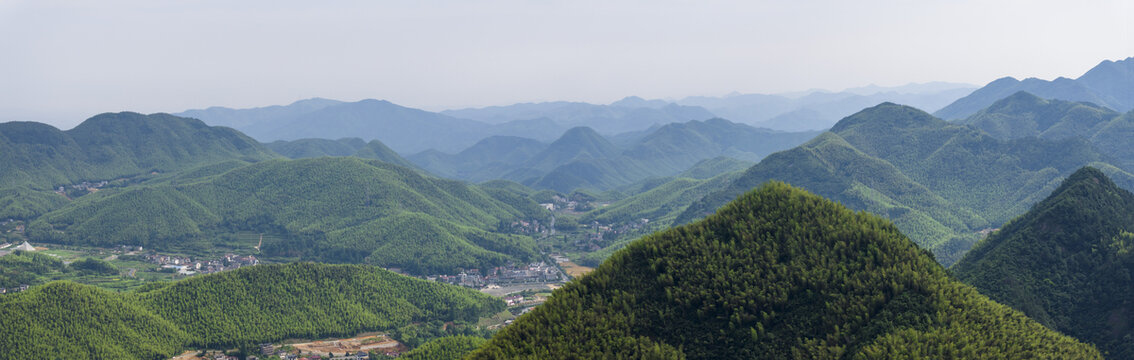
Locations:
{"points": [[527, 227], [187, 266], [19, 228], [539, 272], [14, 289], [601, 235]]}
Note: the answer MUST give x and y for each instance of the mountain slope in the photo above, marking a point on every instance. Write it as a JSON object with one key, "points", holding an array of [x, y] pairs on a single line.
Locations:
{"points": [[308, 148], [1108, 84], [485, 160], [1066, 263], [109, 146], [939, 182], [340, 209], [233, 309], [778, 273], [72, 321], [1023, 115]]}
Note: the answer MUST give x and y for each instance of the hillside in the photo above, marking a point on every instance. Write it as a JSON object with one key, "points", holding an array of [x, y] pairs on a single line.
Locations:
{"points": [[338, 209], [1109, 84], [232, 309], [778, 273], [941, 183], [1024, 115], [113, 145], [1066, 263], [309, 148], [485, 160]]}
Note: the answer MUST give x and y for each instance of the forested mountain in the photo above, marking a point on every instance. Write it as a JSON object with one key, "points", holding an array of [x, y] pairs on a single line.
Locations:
{"points": [[339, 209], [582, 158], [778, 273], [234, 309], [309, 148], [486, 160], [1024, 114], [114, 145], [819, 110], [37, 158], [1109, 84], [628, 114], [939, 182], [1066, 263], [709, 168]]}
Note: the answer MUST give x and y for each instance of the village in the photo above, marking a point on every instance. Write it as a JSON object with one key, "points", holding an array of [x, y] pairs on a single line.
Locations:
{"points": [[186, 266], [533, 273]]}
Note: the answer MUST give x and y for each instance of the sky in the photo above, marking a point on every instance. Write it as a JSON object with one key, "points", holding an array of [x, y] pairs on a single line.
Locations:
{"points": [[64, 61]]}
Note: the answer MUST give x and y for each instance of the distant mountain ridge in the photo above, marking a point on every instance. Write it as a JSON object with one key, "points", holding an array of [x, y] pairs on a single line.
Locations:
{"points": [[1109, 84], [583, 158], [628, 114], [408, 130], [819, 110]]}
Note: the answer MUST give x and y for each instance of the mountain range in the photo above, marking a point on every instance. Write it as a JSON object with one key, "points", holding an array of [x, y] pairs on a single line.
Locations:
{"points": [[941, 183], [629, 114], [1109, 84], [334, 209], [583, 158], [819, 110]]}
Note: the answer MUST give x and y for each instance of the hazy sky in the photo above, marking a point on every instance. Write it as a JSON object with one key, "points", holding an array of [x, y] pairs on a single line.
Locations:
{"points": [[64, 61]]}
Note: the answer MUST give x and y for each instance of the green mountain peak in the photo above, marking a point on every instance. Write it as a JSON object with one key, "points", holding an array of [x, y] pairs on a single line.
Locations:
{"points": [[1066, 263], [777, 273]]}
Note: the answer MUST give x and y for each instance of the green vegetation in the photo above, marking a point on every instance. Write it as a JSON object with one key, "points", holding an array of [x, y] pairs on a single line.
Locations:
{"points": [[778, 273], [110, 146], [1066, 263], [661, 205], [65, 320], [1024, 114], [445, 348], [941, 183], [710, 168], [309, 148], [234, 309], [27, 268], [329, 209]]}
